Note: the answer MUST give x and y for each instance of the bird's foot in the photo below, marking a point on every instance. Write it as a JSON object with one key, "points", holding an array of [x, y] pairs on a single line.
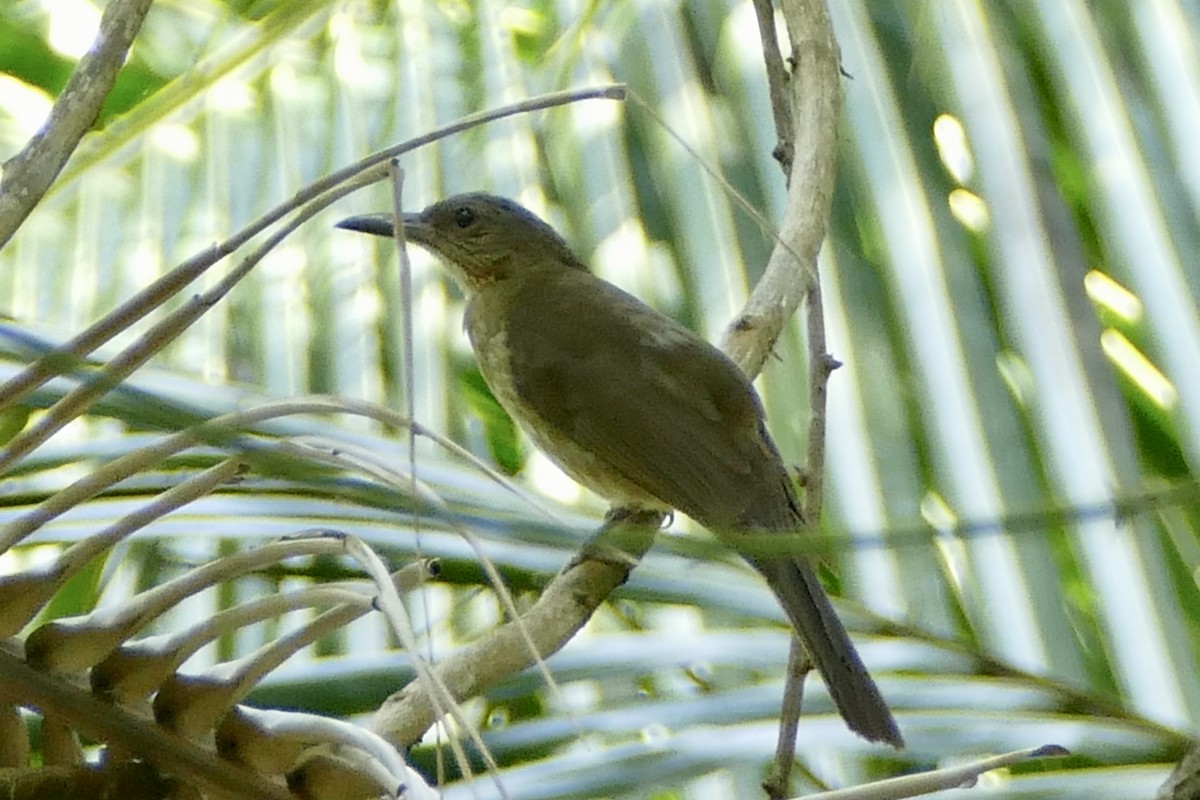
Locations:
{"points": [[623, 539]]}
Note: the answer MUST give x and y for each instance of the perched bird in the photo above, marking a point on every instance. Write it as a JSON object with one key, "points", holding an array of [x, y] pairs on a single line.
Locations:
{"points": [[634, 406]]}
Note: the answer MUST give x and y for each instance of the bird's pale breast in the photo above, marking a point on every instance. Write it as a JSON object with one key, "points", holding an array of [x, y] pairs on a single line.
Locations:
{"points": [[486, 326]]}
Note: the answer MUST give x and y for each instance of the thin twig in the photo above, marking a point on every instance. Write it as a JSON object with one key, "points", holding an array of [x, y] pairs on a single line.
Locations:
{"points": [[29, 174], [163, 333], [392, 608], [820, 366], [228, 430], [68, 356], [799, 665], [812, 115], [777, 79]]}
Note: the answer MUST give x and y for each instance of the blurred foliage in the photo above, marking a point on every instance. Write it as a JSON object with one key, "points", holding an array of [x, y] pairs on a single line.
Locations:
{"points": [[1016, 310]]}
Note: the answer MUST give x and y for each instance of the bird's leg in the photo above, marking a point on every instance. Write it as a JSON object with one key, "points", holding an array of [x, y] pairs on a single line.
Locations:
{"points": [[622, 540]]}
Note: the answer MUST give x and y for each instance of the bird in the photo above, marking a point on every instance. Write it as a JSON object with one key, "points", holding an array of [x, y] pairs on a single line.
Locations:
{"points": [[634, 406]]}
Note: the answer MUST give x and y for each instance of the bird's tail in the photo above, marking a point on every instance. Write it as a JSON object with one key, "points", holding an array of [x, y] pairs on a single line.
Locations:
{"points": [[809, 609]]}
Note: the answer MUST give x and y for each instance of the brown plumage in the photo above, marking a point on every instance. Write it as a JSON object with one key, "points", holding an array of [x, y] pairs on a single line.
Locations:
{"points": [[634, 406]]}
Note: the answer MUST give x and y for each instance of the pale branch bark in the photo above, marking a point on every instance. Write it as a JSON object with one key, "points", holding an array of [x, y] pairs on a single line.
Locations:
{"points": [[29, 174], [77, 401], [564, 607], [809, 113], [1184, 781], [799, 665], [816, 98], [777, 84]]}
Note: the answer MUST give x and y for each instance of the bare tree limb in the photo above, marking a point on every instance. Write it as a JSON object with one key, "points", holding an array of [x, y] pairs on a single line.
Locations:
{"points": [[564, 607], [29, 174], [816, 99]]}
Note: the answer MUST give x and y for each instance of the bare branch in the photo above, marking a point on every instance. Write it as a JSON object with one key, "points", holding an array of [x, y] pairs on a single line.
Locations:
{"points": [[810, 162], [67, 357], [777, 80], [563, 608], [29, 174], [816, 99]]}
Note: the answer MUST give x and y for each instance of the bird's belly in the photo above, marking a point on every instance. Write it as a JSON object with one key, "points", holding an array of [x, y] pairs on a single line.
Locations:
{"points": [[492, 353]]}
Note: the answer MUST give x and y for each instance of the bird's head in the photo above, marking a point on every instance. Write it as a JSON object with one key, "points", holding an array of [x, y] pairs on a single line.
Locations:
{"points": [[483, 238]]}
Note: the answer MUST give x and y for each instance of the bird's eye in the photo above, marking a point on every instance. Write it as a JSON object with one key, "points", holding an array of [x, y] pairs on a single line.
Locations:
{"points": [[464, 217]]}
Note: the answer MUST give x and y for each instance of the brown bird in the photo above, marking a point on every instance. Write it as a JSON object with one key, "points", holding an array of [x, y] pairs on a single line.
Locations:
{"points": [[634, 406]]}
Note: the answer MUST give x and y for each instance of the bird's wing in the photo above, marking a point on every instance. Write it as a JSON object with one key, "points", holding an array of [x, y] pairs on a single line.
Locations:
{"points": [[647, 398]]}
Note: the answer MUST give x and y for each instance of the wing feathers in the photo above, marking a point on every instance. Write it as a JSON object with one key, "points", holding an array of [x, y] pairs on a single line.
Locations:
{"points": [[680, 419]]}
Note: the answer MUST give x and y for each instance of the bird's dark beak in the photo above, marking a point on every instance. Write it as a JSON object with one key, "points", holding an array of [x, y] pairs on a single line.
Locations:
{"points": [[381, 224]]}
